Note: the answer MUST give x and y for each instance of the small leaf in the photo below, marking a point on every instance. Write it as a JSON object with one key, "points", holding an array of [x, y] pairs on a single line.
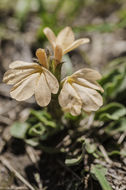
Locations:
{"points": [[44, 118], [112, 87], [108, 77], [91, 148], [37, 130], [114, 152], [116, 127], [73, 161], [112, 111], [32, 141], [114, 82], [70, 117], [99, 172], [19, 130]]}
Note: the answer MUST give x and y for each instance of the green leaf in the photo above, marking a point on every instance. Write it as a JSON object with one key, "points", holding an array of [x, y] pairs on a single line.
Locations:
{"points": [[44, 118], [114, 81], [114, 152], [111, 88], [37, 130], [99, 172], [70, 117], [108, 77], [19, 130], [90, 148], [73, 161], [32, 141], [112, 111], [116, 127]]}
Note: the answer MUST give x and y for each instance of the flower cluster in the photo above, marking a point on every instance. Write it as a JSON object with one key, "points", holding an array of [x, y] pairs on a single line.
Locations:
{"points": [[78, 91]]}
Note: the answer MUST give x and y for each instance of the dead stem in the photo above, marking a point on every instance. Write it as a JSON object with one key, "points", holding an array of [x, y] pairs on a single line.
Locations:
{"points": [[122, 137], [105, 154], [13, 188]]}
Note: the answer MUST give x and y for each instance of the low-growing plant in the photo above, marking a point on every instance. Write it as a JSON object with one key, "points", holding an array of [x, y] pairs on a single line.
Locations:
{"points": [[68, 106]]}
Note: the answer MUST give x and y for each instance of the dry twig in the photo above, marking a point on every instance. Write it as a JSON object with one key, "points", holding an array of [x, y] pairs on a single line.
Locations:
{"points": [[7, 165], [105, 154]]}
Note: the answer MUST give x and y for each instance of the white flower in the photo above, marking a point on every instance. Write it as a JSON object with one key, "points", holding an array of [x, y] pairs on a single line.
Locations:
{"points": [[65, 41], [80, 92], [32, 78]]}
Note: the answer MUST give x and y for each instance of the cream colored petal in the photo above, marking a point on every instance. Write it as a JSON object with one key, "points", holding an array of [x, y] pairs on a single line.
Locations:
{"points": [[42, 57], [15, 76], [23, 65], [69, 100], [58, 53], [25, 89], [50, 35], [73, 109], [88, 74], [65, 38], [75, 44], [42, 91], [91, 99], [89, 84], [52, 81]]}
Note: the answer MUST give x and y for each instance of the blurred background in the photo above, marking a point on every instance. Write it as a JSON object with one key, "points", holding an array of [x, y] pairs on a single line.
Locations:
{"points": [[21, 33]]}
